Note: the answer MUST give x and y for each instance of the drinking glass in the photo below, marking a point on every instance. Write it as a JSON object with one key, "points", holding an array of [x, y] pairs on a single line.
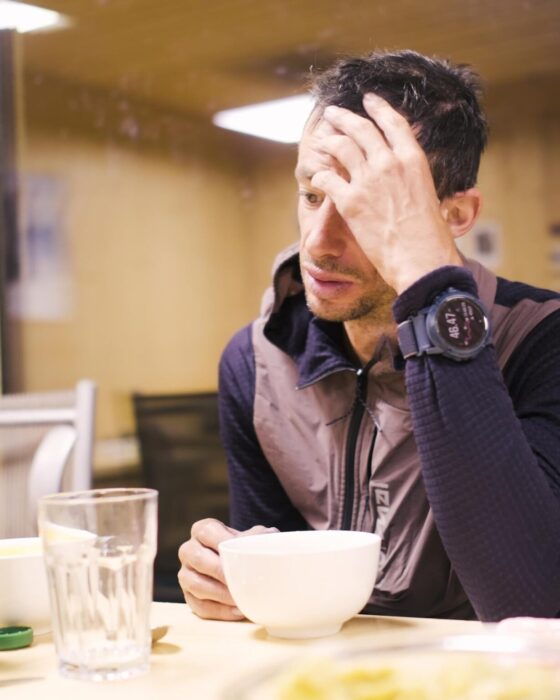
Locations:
{"points": [[99, 549]]}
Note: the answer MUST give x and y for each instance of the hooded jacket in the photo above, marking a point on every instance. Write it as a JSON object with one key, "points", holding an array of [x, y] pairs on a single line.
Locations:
{"points": [[456, 465]]}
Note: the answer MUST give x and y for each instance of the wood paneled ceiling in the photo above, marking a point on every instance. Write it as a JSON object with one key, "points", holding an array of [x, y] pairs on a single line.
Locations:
{"points": [[198, 56]]}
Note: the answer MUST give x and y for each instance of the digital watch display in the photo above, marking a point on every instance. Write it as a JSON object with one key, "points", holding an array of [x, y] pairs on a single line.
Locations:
{"points": [[456, 325]]}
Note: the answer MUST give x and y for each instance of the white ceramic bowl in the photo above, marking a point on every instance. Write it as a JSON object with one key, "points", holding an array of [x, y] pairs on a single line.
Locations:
{"points": [[24, 598], [301, 584]]}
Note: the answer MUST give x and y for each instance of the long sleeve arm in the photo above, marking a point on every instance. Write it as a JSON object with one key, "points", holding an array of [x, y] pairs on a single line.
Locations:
{"points": [[256, 495], [491, 468]]}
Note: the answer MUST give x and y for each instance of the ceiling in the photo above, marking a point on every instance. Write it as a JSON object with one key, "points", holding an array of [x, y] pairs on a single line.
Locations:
{"points": [[198, 56]]}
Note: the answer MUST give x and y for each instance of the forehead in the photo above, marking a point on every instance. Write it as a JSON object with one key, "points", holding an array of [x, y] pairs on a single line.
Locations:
{"points": [[310, 156]]}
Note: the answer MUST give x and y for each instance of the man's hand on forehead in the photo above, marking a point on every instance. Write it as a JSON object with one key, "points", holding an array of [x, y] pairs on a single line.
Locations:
{"points": [[350, 138], [379, 179], [384, 122], [319, 158]]}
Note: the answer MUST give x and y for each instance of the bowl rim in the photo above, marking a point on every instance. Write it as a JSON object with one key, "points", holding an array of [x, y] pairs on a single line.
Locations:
{"points": [[242, 544], [21, 541]]}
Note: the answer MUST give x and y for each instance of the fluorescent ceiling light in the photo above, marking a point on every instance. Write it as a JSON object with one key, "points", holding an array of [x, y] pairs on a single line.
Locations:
{"points": [[277, 120], [27, 18]]}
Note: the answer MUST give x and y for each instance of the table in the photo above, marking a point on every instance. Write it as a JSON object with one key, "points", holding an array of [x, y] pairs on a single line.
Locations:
{"points": [[197, 659]]}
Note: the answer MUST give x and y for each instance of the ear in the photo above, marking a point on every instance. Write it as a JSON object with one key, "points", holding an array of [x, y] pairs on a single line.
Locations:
{"points": [[461, 211]]}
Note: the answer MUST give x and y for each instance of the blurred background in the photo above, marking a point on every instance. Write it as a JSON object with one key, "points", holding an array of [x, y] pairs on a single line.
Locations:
{"points": [[137, 236]]}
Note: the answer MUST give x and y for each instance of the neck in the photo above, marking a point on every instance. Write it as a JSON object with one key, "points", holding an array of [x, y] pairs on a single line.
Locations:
{"points": [[365, 333], [365, 340]]}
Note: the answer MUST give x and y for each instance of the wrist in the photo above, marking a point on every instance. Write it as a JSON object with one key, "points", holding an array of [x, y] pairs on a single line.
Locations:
{"points": [[409, 275], [423, 291]]}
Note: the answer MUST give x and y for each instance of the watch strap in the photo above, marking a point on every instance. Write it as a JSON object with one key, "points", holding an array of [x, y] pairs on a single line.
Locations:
{"points": [[413, 337]]}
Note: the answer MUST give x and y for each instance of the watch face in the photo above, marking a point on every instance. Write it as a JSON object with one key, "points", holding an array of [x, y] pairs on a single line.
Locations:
{"points": [[461, 323]]}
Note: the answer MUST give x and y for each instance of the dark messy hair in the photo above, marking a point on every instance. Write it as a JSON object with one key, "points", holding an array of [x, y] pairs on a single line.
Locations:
{"points": [[438, 98]]}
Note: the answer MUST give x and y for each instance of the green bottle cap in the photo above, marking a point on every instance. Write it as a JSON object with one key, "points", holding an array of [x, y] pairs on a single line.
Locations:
{"points": [[15, 637]]}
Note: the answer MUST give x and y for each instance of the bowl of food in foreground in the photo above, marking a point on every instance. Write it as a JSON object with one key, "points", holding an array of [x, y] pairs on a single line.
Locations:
{"points": [[24, 597], [457, 667], [301, 584]]}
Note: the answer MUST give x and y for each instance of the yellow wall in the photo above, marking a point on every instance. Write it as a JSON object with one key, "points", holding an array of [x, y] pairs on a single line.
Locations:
{"points": [[170, 255], [272, 214], [158, 252], [520, 176]]}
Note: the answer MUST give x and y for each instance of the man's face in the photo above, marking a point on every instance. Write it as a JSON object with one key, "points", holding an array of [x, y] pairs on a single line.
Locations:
{"points": [[340, 282]]}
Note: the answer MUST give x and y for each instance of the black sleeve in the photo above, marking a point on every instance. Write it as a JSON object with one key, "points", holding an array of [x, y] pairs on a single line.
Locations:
{"points": [[256, 495], [491, 468], [533, 379]]}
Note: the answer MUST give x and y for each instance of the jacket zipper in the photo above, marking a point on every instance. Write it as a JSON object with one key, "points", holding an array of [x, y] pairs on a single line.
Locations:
{"points": [[369, 470], [370, 455], [353, 432]]}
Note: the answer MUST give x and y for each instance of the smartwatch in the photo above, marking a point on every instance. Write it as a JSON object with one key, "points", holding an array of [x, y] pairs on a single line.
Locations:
{"points": [[456, 326]]}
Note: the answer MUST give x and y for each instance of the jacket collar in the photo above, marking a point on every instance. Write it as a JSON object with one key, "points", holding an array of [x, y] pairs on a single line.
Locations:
{"points": [[486, 282]]}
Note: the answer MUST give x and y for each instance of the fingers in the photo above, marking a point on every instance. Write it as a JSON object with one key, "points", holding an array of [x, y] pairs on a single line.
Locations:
{"points": [[389, 129], [332, 184], [194, 555], [201, 576], [344, 151], [211, 610], [258, 530], [365, 134], [395, 128], [210, 532], [204, 587], [323, 129]]}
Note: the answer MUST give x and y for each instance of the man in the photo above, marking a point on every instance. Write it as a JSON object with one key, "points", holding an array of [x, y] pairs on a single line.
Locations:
{"points": [[370, 393]]}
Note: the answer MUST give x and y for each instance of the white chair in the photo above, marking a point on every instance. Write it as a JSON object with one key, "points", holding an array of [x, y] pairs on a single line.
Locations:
{"points": [[46, 445]]}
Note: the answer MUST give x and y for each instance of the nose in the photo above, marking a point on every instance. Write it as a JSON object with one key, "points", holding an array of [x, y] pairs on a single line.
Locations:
{"points": [[326, 234]]}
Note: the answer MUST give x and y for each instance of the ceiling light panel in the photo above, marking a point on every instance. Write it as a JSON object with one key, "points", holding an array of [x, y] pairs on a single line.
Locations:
{"points": [[28, 18], [278, 120]]}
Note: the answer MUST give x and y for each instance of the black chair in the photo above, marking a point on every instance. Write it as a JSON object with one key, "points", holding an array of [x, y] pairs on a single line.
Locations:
{"points": [[183, 459]]}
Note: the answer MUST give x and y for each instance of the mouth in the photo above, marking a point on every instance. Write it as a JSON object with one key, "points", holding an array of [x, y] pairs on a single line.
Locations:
{"points": [[325, 284]]}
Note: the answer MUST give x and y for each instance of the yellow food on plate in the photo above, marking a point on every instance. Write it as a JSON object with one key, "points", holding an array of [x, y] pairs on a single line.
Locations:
{"points": [[419, 678]]}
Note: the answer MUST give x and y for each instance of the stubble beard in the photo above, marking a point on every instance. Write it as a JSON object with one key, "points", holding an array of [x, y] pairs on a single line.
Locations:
{"points": [[362, 308], [372, 307], [370, 316]]}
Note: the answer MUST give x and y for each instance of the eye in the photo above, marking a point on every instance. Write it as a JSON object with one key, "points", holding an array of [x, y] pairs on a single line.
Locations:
{"points": [[311, 198]]}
